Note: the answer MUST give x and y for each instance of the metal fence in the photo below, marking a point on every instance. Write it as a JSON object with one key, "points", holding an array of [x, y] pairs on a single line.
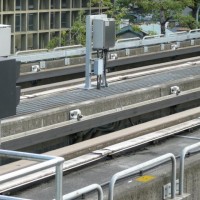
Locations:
{"points": [[78, 50], [58, 162], [47, 162]]}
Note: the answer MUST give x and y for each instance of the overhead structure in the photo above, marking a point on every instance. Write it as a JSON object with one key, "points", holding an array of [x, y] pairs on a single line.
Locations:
{"points": [[100, 36]]}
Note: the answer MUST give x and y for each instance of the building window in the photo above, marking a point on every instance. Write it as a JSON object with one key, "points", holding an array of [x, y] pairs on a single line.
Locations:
{"points": [[64, 4], [18, 5], [18, 23], [30, 5], [64, 20], [30, 22]]}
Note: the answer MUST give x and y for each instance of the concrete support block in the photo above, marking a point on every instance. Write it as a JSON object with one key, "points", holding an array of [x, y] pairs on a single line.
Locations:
{"points": [[127, 52], [192, 42], [42, 64], [146, 49], [162, 47], [67, 61]]}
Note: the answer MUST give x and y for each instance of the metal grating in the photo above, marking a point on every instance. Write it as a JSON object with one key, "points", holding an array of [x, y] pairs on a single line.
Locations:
{"points": [[80, 95]]}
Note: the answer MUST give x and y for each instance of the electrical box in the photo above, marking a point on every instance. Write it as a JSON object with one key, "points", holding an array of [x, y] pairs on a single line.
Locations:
{"points": [[5, 40], [103, 33], [98, 67]]}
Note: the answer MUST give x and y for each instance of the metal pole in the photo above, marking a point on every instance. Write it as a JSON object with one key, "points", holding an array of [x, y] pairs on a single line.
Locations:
{"points": [[59, 181], [2, 197], [153, 162], [88, 65], [182, 165], [88, 51], [84, 190]]}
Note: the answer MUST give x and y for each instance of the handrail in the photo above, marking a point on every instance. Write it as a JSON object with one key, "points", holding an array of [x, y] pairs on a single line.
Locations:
{"points": [[68, 47], [182, 164], [84, 190], [62, 52], [31, 51], [3, 197], [49, 161], [136, 168], [153, 36], [128, 39]]}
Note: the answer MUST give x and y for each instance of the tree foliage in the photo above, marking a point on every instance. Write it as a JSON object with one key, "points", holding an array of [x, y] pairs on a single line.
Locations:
{"points": [[164, 10], [195, 7], [78, 30]]}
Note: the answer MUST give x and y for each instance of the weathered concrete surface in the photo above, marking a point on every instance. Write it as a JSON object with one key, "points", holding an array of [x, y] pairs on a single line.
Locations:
{"points": [[64, 84], [61, 114], [130, 188], [54, 64]]}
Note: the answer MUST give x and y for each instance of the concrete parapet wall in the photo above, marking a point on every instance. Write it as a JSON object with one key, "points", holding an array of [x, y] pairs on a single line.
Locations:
{"points": [[53, 64], [103, 141], [61, 114], [152, 190]]}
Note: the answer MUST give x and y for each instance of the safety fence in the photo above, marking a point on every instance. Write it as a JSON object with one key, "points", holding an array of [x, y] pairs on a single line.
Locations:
{"points": [[57, 161], [78, 50]]}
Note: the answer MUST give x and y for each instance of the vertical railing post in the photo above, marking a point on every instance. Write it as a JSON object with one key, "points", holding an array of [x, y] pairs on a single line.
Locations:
{"points": [[182, 165], [47, 162], [136, 168], [59, 181]]}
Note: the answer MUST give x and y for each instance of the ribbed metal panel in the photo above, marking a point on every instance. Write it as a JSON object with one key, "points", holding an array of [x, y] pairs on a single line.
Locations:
{"points": [[80, 95]]}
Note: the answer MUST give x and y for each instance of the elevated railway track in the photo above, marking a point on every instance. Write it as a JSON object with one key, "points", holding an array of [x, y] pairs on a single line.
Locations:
{"points": [[89, 152], [65, 64], [141, 97], [80, 95], [45, 117]]}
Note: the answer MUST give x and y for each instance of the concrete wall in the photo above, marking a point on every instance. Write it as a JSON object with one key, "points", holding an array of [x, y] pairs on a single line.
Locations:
{"points": [[61, 114], [25, 68], [152, 190]]}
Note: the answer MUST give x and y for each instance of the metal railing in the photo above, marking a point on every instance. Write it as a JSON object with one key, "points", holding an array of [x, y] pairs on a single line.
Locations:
{"points": [[47, 162], [64, 52], [50, 161], [3, 197], [84, 190], [136, 168], [182, 164]]}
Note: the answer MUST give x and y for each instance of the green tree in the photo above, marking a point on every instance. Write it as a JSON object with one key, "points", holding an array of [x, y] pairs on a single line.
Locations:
{"points": [[78, 30], [195, 7], [57, 41], [164, 10]]}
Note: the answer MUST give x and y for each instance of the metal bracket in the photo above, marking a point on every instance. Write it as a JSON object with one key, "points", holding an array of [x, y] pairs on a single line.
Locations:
{"points": [[35, 68], [75, 114], [167, 190], [42, 64]]}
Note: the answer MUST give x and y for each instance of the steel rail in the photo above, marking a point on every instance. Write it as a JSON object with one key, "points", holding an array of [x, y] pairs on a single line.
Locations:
{"points": [[49, 161]]}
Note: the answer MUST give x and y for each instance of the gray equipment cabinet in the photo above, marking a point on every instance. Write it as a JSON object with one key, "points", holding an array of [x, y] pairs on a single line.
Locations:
{"points": [[9, 92], [103, 33]]}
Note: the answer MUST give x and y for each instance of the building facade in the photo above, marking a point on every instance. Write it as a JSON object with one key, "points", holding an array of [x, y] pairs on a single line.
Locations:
{"points": [[35, 22]]}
